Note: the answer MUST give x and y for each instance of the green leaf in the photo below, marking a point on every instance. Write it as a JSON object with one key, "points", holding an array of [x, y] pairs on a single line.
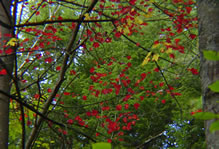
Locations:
{"points": [[101, 145], [214, 126], [211, 55], [205, 115], [214, 86]]}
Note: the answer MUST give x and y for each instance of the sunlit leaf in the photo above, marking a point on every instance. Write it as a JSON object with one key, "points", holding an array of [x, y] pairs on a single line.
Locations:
{"points": [[214, 126], [12, 42], [155, 57], [205, 115], [214, 86], [101, 145], [146, 60], [211, 55]]}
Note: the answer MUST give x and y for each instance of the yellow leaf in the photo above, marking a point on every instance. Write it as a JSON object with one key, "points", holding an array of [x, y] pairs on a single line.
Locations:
{"points": [[155, 45], [87, 17], [52, 141], [147, 15], [126, 30], [12, 42], [119, 29], [167, 44], [169, 50], [138, 20], [146, 60], [155, 57], [129, 22]]}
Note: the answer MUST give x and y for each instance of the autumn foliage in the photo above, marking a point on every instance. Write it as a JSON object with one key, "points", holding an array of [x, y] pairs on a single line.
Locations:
{"points": [[62, 77]]}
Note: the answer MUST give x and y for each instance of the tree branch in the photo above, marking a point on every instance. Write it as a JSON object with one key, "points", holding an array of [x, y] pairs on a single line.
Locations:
{"points": [[61, 21]]}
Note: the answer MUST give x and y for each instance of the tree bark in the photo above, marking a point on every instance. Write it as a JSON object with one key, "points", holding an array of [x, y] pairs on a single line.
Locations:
{"points": [[5, 63], [208, 16]]}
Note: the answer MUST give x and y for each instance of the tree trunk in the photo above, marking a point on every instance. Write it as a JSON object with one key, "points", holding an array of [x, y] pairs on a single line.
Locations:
{"points": [[6, 61], [208, 15]]}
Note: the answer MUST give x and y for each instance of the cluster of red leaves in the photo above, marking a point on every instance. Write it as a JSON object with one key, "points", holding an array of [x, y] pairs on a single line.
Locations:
{"points": [[194, 71], [3, 72], [197, 111], [125, 118], [123, 83]]}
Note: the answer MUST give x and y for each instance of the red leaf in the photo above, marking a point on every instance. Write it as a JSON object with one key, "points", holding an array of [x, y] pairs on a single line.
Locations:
{"points": [[161, 84], [96, 44], [84, 97], [194, 71], [58, 68], [172, 56], [48, 60], [26, 39], [130, 90], [44, 5], [192, 36], [156, 69], [132, 2], [177, 41], [29, 122], [118, 34], [126, 97], [23, 81], [126, 106], [89, 32], [9, 51], [60, 18], [72, 72], [188, 9], [37, 13], [37, 96], [163, 101], [136, 105], [117, 88], [109, 140], [92, 70], [64, 132], [94, 113], [7, 35], [128, 57], [70, 121], [49, 90], [105, 108], [129, 64], [143, 75], [119, 107], [3, 72], [66, 93]]}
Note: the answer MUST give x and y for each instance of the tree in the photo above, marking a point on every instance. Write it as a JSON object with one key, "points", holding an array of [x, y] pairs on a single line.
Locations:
{"points": [[6, 66], [123, 66], [208, 41]]}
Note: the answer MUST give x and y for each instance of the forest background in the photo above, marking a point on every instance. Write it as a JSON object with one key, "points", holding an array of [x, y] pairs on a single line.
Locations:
{"points": [[127, 72]]}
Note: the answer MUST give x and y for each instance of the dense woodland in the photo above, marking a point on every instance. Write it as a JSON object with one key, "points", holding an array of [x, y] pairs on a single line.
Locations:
{"points": [[131, 73]]}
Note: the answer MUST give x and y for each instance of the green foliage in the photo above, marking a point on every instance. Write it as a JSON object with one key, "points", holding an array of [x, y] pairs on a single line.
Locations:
{"points": [[186, 134], [101, 145], [211, 55], [214, 126], [214, 86], [206, 115], [158, 112]]}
